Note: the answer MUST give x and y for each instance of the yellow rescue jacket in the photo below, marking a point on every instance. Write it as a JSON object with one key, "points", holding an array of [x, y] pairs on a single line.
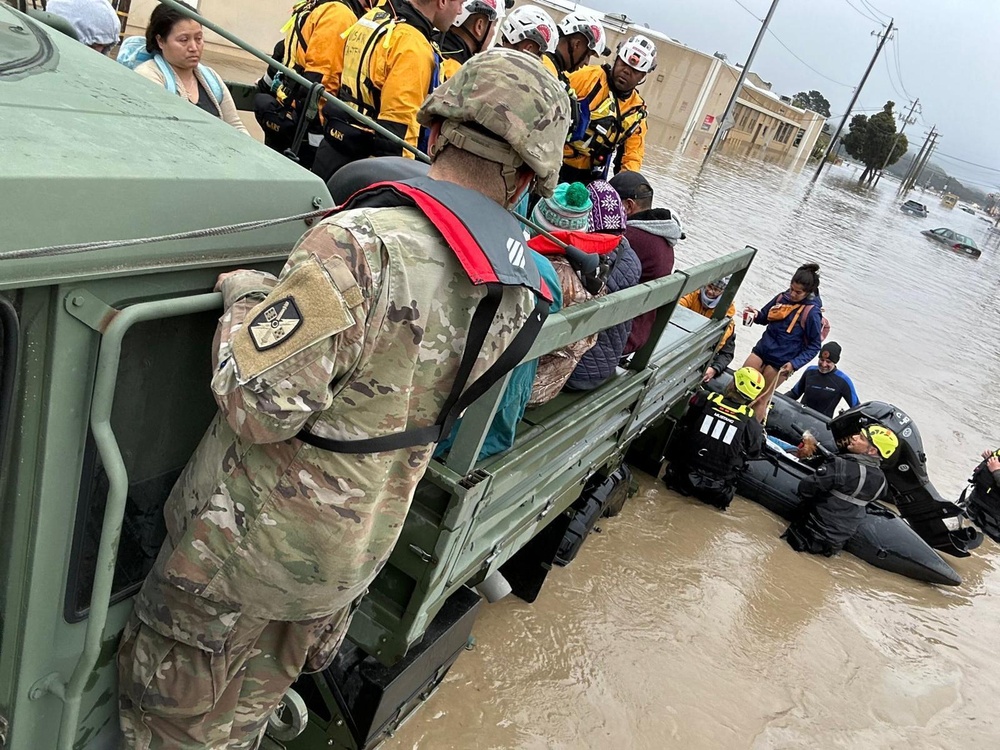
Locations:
{"points": [[314, 41], [449, 67], [455, 53], [390, 65], [692, 301], [551, 65], [613, 123]]}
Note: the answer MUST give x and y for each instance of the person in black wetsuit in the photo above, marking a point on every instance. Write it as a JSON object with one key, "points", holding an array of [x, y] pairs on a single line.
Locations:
{"points": [[823, 385], [982, 498], [836, 495], [715, 438]]}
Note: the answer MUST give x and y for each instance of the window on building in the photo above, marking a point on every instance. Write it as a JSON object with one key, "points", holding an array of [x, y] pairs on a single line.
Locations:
{"points": [[798, 137]]}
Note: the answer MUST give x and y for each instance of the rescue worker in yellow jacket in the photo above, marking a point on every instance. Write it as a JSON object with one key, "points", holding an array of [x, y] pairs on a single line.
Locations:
{"points": [[473, 31], [313, 46], [614, 112], [391, 63]]}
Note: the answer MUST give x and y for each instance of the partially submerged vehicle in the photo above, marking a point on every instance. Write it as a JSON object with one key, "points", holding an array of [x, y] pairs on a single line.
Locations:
{"points": [[914, 208], [957, 242], [122, 206]]}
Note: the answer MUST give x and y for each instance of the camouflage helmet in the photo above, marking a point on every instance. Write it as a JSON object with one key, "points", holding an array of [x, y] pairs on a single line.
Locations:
{"points": [[510, 95]]}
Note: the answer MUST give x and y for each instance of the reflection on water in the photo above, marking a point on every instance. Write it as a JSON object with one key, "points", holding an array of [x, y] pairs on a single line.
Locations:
{"points": [[679, 626]]}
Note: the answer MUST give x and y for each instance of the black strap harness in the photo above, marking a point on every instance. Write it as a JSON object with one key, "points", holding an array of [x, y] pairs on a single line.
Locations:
{"points": [[489, 244]]}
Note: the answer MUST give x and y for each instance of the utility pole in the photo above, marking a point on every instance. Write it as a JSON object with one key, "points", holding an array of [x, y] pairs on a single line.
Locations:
{"points": [[906, 121], [724, 124], [904, 185], [927, 158], [883, 38], [919, 166]]}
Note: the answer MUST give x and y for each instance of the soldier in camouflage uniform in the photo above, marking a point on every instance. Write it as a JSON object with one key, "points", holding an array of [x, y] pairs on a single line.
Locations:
{"points": [[272, 541]]}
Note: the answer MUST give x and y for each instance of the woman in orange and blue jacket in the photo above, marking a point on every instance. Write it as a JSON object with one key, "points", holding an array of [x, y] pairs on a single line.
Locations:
{"points": [[793, 336]]}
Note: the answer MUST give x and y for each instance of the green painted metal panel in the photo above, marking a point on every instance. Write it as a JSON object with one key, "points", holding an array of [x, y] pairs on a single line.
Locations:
{"points": [[93, 151]]}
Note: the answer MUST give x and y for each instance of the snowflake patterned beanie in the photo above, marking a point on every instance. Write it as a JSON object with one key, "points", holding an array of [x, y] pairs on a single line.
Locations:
{"points": [[608, 213]]}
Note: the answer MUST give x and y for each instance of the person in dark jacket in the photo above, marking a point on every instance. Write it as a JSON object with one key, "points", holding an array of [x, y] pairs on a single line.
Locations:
{"points": [[836, 495], [794, 321], [823, 385], [981, 499], [607, 216], [716, 437], [652, 233]]}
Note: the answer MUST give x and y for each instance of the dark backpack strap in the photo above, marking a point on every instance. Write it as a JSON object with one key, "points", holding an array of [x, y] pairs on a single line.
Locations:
{"points": [[459, 398]]}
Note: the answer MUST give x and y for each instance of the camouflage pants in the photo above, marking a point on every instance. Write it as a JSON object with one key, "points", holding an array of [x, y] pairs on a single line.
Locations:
{"points": [[178, 696]]}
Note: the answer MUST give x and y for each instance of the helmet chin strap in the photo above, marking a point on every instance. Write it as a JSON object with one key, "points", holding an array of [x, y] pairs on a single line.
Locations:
{"points": [[481, 41], [480, 144], [573, 62]]}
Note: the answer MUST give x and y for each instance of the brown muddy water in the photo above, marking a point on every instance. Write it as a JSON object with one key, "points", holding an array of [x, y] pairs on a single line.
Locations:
{"points": [[680, 626]]}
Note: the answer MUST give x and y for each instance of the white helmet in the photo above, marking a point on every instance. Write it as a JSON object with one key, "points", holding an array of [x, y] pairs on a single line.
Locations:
{"points": [[580, 22], [492, 9], [533, 24], [638, 52]]}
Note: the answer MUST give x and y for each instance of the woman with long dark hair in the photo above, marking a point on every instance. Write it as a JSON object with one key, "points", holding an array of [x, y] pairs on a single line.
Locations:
{"points": [[793, 336], [176, 44]]}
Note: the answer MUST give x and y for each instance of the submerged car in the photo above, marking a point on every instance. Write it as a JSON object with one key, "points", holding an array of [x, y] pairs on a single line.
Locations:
{"points": [[958, 242], [915, 208]]}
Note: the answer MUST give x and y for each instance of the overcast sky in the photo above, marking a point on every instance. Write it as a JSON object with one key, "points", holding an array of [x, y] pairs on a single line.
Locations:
{"points": [[948, 52]]}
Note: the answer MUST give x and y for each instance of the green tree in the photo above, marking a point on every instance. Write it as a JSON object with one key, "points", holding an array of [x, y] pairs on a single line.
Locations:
{"points": [[872, 139], [813, 100]]}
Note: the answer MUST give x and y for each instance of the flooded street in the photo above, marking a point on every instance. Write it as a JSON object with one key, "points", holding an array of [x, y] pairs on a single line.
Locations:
{"points": [[680, 626]]}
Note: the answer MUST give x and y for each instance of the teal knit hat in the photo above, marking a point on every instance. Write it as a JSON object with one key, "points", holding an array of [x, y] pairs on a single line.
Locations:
{"points": [[568, 208]]}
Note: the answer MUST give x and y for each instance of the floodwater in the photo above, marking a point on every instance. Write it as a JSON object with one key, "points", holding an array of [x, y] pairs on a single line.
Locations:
{"points": [[680, 626]]}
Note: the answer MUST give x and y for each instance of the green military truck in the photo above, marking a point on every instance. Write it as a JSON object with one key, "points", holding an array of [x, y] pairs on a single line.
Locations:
{"points": [[119, 207]]}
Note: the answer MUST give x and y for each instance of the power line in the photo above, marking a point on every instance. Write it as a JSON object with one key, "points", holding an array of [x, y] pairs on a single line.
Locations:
{"points": [[899, 69], [874, 10], [821, 75], [970, 163], [892, 83], [789, 49], [748, 10], [862, 13]]}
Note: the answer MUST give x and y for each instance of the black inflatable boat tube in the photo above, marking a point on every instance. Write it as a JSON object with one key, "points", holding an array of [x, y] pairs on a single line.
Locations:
{"points": [[883, 540]]}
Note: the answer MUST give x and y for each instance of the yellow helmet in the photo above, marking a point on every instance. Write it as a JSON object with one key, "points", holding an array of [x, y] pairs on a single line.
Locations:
{"points": [[749, 382], [884, 439]]}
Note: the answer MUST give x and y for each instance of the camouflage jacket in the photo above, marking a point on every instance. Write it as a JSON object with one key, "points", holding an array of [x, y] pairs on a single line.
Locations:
{"points": [[360, 336]]}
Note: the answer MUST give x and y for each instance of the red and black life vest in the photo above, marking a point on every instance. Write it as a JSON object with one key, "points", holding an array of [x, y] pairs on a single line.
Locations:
{"points": [[489, 244]]}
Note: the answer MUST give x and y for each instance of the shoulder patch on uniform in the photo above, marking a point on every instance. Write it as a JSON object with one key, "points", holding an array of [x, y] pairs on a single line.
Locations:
{"points": [[275, 323]]}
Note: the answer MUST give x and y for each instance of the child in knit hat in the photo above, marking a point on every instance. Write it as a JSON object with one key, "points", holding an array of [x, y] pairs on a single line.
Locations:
{"points": [[568, 208]]}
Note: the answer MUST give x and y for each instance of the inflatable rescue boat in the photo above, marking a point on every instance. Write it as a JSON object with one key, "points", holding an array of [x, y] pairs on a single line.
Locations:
{"points": [[906, 542]]}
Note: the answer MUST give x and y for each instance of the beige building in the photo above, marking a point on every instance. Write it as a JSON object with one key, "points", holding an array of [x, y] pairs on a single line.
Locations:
{"points": [[686, 95]]}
